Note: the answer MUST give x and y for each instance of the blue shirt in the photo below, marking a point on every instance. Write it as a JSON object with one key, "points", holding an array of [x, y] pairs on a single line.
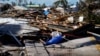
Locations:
{"points": [[46, 12]]}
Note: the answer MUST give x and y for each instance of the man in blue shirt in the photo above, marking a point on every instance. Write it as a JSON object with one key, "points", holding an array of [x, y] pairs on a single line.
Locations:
{"points": [[46, 12]]}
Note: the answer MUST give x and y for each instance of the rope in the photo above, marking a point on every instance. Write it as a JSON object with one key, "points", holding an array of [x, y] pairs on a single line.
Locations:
{"points": [[46, 50], [41, 41]]}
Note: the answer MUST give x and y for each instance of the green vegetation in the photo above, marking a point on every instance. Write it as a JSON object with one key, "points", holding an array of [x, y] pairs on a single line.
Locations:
{"points": [[63, 3], [89, 8]]}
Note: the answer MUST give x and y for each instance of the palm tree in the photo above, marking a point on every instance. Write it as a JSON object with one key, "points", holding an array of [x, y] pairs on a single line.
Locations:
{"points": [[87, 6], [43, 5], [89, 1], [19, 2], [13, 3], [63, 3], [30, 3]]}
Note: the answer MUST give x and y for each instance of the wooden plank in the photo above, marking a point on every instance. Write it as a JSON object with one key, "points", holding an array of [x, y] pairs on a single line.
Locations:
{"points": [[59, 28], [95, 34], [30, 51], [35, 49], [41, 50]]}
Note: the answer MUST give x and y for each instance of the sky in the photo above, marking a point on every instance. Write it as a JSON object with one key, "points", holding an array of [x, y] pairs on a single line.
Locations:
{"points": [[50, 2], [47, 2]]}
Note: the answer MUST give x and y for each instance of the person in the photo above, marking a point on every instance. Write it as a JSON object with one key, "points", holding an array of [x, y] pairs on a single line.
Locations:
{"points": [[46, 12], [55, 33], [56, 38]]}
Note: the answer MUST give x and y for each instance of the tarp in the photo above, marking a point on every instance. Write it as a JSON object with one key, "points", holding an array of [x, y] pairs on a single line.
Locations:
{"points": [[55, 40]]}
